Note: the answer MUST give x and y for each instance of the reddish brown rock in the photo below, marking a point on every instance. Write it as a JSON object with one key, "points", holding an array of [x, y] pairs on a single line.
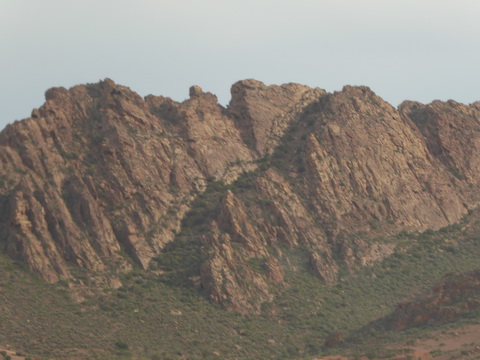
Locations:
{"points": [[367, 162], [98, 172], [451, 133], [228, 279], [264, 112], [453, 297], [350, 164]]}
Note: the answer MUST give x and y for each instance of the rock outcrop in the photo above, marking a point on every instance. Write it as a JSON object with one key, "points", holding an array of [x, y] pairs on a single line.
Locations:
{"points": [[368, 162], [99, 178], [453, 298], [98, 170], [264, 112]]}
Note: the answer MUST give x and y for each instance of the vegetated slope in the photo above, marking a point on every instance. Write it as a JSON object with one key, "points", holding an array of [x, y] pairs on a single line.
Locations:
{"points": [[441, 322], [455, 296], [432, 281], [147, 318], [244, 204]]}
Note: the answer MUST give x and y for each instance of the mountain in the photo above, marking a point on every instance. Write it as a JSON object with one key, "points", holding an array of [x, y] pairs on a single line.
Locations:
{"points": [[231, 202]]}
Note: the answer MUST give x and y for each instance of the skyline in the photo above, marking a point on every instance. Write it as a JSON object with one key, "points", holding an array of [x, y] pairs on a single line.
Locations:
{"points": [[403, 50]]}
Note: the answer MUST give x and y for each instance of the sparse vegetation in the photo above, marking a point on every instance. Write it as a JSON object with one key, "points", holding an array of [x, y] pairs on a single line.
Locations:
{"points": [[293, 222], [3, 180], [297, 322]]}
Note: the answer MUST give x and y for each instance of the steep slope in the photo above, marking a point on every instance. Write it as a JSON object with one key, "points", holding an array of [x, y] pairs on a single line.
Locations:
{"points": [[98, 171], [164, 317], [379, 164], [348, 170], [99, 179], [451, 132], [263, 113]]}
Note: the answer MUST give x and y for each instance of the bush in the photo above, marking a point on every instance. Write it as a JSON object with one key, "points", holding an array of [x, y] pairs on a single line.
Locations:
{"points": [[436, 352], [121, 345]]}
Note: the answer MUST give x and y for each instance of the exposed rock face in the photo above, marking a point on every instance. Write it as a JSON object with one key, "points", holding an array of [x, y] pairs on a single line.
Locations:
{"points": [[451, 131], [453, 297], [98, 172], [264, 112], [351, 163], [369, 162]]}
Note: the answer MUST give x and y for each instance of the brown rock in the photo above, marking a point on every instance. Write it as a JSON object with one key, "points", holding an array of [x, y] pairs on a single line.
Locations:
{"points": [[447, 301], [98, 172], [263, 112], [334, 339], [195, 91]]}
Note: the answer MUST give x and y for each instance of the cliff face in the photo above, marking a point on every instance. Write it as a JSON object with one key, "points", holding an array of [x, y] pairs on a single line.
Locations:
{"points": [[349, 167], [99, 178], [98, 170]]}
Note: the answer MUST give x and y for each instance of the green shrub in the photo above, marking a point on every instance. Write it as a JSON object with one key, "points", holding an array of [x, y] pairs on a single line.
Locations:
{"points": [[121, 345], [436, 352]]}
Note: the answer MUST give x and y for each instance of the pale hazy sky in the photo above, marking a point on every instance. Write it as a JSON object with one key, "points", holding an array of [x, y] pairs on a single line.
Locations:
{"points": [[403, 49]]}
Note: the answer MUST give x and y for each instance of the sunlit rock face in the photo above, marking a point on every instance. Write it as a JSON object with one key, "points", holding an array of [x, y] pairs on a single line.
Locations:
{"points": [[100, 179]]}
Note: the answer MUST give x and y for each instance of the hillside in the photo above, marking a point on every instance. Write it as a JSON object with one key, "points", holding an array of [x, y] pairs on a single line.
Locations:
{"points": [[271, 222]]}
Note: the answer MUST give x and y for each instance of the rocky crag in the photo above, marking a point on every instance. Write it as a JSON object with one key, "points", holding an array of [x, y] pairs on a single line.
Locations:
{"points": [[99, 180]]}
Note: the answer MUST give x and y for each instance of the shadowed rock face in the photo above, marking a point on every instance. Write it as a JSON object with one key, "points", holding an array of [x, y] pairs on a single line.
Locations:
{"points": [[99, 177]]}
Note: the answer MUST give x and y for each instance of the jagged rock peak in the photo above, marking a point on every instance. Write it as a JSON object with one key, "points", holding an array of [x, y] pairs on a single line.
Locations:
{"points": [[195, 91], [263, 113], [55, 92], [246, 84], [356, 90]]}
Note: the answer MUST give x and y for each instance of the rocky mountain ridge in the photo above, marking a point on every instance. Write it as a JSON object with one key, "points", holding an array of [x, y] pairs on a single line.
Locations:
{"points": [[99, 180]]}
